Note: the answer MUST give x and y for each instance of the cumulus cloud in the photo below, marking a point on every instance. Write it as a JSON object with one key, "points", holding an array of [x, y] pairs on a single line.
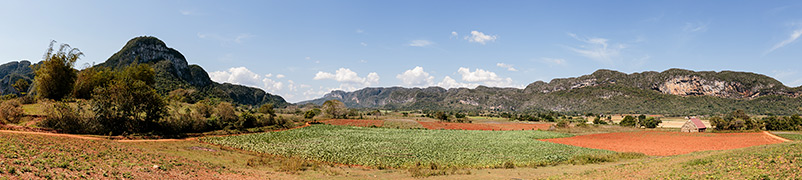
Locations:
{"points": [[348, 77], [415, 77], [244, 76], [484, 77], [597, 49], [420, 43], [508, 66], [449, 82], [454, 34], [479, 37], [791, 38]]}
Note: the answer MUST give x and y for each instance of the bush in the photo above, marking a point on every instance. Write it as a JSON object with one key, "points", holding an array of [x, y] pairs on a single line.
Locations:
{"points": [[563, 124], [598, 120], [735, 120], [651, 122], [789, 123], [628, 121], [225, 115], [182, 119], [62, 117], [10, 111], [128, 105]]}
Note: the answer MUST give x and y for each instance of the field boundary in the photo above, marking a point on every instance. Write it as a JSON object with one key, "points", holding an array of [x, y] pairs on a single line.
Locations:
{"points": [[776, 137]]}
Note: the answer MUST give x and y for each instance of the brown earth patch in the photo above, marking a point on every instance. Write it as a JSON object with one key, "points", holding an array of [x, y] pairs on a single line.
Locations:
{"points": [[659, 143], [354, 122], [484, 126]]}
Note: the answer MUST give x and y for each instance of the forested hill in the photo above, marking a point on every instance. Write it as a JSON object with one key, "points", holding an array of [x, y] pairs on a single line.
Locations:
{"points": [[174, 72], [674, 91]]}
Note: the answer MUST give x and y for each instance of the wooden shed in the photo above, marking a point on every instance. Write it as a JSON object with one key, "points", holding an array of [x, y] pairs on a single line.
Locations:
{"points": [[693, 125]]}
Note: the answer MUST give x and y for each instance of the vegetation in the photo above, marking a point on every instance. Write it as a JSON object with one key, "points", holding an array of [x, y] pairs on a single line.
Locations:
{"points": [[385, 147], [55, 76], [784, 123], [334, 109], [628, 121], [10, 111], [735, 120]]}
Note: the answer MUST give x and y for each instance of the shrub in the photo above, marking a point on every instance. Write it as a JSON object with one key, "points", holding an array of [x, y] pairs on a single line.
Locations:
{"points": [[628, 121], [225, 114], [62, 117], [735, 120], [128, 105], [598, 120], [563, 124], [651, 122], [10, 111]]}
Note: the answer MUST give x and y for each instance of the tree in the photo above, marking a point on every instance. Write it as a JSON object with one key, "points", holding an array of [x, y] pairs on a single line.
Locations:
{"points": [[226, 114], [128, 105], [21, 86], [89, 79], [641, 118], [735, 120], [628, 121], [334, 109], [267, 109], [441, 116], [310, 114], [55, 76], [598, 120], [651, 122]]}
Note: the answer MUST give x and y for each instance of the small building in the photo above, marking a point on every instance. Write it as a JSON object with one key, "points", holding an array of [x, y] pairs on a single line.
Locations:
{"points": [[693, 125]]}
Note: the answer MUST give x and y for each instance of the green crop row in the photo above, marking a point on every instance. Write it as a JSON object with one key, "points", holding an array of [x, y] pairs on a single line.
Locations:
{"points": [[385, 147]]}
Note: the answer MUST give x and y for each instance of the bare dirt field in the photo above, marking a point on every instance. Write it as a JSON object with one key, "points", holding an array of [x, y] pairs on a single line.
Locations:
{"points": [[659, 143]]}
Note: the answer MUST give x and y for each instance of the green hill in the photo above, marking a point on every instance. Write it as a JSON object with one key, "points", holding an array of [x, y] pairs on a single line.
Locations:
{"points": [[674, 92]]}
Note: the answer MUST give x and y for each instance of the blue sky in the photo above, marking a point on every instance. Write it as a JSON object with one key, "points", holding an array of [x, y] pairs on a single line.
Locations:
{"points": [[304, 49]]}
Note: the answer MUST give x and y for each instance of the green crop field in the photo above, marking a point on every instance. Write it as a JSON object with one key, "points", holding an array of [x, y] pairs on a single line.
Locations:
{"points": [[385, 147]]}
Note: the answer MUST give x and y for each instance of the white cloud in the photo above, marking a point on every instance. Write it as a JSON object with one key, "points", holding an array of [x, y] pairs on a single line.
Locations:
{"points": [[420, 43], [348, 77], [360, 31], [792, 38], [695, 27], [244, 76], [454, 34], [239, 38], [416, 77], [363, 61], [449, 82], [363, 44], [480, 37], [484, 77], [508, 66], [554, 61], [597, 49], [187, 12], [236, 75]]}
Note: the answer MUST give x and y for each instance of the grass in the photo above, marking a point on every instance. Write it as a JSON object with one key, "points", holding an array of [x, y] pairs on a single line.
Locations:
{"points": [[402, 124], [776, 161], [399, 148], [29, 156], [793, 137]]}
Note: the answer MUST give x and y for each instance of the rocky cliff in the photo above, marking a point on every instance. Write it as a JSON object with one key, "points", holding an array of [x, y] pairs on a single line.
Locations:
{"points": [[13, 71]]}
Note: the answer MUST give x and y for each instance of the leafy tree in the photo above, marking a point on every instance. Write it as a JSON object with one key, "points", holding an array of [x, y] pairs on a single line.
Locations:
{"points": [[226, 114], [89, 79], [735, 120], [128, 105], [310, 114], [55, 76], [441, 116], [267, 109], [640, 119], [459, 115], [598, 120], [21, 86], [628, 121], [651, 122], [335, 109]]}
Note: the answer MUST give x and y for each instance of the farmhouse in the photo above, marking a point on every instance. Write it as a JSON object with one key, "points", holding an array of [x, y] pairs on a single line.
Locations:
{"points": [[693, 125]]}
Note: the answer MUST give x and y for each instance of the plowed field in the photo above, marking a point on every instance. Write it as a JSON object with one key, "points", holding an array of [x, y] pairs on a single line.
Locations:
{"points": [[658, 143]]}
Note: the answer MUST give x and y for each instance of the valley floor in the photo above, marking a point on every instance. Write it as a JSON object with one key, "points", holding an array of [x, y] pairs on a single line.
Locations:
{"points": [[43, 156]]}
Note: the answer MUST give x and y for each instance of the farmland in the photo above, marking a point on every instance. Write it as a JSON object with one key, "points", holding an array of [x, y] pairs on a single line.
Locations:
{"points": [[660, 143], [394, 148]]}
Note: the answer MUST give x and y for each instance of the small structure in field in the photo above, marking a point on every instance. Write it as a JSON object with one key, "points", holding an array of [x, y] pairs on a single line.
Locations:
{"points": [[693, 125]]}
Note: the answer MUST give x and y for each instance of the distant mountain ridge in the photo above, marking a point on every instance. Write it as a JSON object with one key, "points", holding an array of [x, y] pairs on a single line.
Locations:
{"points": [[674, 91]]}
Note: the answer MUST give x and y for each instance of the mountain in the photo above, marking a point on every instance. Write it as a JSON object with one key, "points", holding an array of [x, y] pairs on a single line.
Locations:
{"points": [[674, 91], [13, 71], [174, 72]]}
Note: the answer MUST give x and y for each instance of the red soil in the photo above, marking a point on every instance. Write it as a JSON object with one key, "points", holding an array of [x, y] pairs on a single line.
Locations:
{"points": [[658, 143], [355, 122], [484, 126]]}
